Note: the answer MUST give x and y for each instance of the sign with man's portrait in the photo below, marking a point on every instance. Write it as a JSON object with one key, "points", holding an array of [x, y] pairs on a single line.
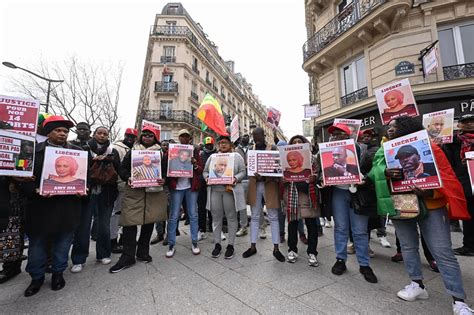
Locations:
{"points": [[353, 124], [413, 155], [221, 169], [179, 160], [440, 126], [339, 162], [470, 168], [146, 168]]}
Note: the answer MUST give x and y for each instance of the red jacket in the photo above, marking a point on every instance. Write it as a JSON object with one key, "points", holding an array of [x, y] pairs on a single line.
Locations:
{"points": [[197, 172]]}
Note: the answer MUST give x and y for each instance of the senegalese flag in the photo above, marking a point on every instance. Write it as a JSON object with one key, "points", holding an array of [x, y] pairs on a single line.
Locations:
{"points": [[210, 113]]}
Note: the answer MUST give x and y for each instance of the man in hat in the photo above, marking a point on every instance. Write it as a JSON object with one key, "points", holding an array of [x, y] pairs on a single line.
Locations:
{"points": [[456, 154], [208, 149], [412, 165]]}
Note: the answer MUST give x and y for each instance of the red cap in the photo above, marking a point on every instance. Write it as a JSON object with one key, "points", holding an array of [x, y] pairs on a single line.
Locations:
{"points": [[368, 132], [60, 119], [131, 131], [360, 135], [341, 127], [153, 130]]}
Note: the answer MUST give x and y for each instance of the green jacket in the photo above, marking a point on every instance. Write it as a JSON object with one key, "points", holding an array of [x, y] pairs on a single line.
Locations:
{"points": [[377, 175]]}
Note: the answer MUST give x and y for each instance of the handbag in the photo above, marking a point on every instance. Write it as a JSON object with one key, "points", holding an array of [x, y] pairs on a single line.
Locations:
{"points": [[10, 240], [407, 206], [103, 173]]}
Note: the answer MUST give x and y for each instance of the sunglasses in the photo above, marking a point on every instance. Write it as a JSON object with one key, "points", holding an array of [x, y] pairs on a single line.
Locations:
{"points": [[148, 135]]}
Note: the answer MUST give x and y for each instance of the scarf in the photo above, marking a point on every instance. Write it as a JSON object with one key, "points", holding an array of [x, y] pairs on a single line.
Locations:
{"points": [[467, 143], [98, 149]]}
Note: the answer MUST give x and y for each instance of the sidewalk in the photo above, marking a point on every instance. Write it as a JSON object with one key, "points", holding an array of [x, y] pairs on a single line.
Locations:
{"points": [[190, 284]]}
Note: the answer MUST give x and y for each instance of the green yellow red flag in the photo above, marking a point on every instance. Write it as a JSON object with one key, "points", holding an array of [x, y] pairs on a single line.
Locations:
{"points": [[210, 113]]}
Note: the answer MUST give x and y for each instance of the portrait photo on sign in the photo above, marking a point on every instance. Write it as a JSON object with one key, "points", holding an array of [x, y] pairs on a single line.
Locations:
{"points": [[440, 126], [470, 168], [221, 169], [396, 100], [64, 172], [273, 117], [16, 154], [339, 162], [296, 162], [413, 155], [146, 168], [352, 124], [180, 160]]}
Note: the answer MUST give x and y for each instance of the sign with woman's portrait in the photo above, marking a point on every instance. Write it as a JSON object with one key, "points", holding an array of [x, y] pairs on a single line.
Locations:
{"points": [[296, 162], [396, 100]]}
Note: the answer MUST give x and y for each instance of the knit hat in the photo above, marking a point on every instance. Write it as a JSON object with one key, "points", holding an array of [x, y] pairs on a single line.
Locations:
{"points": [[53, 122], [131, 131], [209, 140]]}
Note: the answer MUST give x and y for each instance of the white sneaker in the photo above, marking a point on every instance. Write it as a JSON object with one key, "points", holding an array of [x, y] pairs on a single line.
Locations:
{"points": [[76, 268], [223, 238], [262, 234], [195, 249], [384, 242], [413, 292], [241, 232], [202, 236], [328, 224], [170, 252], [461, 308], [104, 261], [313, 261], [292, 256]]}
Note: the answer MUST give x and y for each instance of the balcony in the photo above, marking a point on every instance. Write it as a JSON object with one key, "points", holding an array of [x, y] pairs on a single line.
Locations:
{"points": [[166, 87], [171, 116], [354, 97], [194, 96], [459, 71], [168, 59]]}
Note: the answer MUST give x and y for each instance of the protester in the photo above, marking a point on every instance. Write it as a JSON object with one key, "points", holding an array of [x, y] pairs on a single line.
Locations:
{"points": [[434, 226], [455, 152], [140, 206], [207, 151], [184, 188], [83, 131], [160, 226], [103, 175], [242, 149], [226, 199], [47, 217], [301, 203], [266, 188]]}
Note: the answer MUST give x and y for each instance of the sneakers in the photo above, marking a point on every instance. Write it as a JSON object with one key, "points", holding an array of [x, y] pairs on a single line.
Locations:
{"points": [[368, 274], [229, 252], [145, 258], [351, 249], [312, 260], [262, 233], [195, 249], [223, 238], [217, 251], [339, 267], [104, 261], [170, 252], [328, 224], [202, 236], [120, 265], [384, 242], [292, 256], [76, 268], [371, 253], [397, 257], [413, 292], [461, 308], [463, 251], [242, 231]]}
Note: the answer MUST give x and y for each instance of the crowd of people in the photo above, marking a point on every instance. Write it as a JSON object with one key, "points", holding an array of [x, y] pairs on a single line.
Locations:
{"points": [[57, 228]]}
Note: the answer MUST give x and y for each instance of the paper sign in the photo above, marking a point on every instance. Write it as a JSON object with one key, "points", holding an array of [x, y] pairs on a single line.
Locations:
{"points": [[16, 154], [64, 172], [221, 169], [234, 129], [179, 160], [146, 168], [413, 154], [440, 126], [353, 124], [273, 117], [19, 115], [396, 100], [296, 162], [470, 168], [339, 163], [265, 163]]}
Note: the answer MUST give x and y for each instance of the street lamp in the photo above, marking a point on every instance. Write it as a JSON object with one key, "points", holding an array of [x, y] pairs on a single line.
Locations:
{"points": [[11, 65]]}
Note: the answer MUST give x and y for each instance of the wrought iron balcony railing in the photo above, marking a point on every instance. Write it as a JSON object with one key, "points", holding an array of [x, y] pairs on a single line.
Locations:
{"points": [[194, 96], [459, 71], [166, 87], [339, 25], [166, 59], [171, 115], [354, 97]]}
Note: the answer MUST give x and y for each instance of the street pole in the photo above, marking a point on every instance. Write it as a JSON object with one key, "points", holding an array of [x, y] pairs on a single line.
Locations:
{"points": [[47, 96]]}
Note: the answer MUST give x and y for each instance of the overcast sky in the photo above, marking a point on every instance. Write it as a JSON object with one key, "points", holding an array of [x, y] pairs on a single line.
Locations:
{"points": [[263, 37]]}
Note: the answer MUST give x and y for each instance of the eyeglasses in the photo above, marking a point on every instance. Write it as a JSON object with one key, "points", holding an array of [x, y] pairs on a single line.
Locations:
{"points": [[148, 135]]}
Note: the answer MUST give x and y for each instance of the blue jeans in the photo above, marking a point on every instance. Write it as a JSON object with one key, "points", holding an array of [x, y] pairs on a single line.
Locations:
{"points": [[177, 197], [38, 256], [436, 232], [256, 215], [345, 219], [80, 249]]}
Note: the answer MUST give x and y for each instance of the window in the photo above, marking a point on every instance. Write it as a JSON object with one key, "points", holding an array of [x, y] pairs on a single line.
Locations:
{"points": [[195, 65], [194, 86], [456, 44], [171, 27], [168, 77], [165, 135], [168, 51], [342, 5], [353, 76], [166, 108]]}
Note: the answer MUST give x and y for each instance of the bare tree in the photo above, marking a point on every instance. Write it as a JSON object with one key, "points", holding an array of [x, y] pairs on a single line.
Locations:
{"points": [[90, 91]]}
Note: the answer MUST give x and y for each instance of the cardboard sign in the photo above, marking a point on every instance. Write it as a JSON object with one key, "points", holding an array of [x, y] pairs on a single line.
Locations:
{"points": [[64, 172], [146, 168], [339, 163], [296, 162], [353, 124], [413, 154], [19, 115], [264, 163], [470, 168], [179, 160], [221, 169], [147, 123], [440, 125], [234, 129], [396, 100], [273, 117], [16, 154]]}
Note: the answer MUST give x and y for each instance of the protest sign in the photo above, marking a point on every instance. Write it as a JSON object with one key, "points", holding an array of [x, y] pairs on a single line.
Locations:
{"points": [[221, 169], [147, 123], [16, 154], [296, 162], [440, 126], [146, 168], [470, 168], [396, 100], [353, 124], [273, 117], [19, 115], [64, 172], [413, 154], [179, 160], [234, 129], [264, 163], [339, 163]]}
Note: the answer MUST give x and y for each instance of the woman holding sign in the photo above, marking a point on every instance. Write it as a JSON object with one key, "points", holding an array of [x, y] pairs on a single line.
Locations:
{"points": [[224, 199]]}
